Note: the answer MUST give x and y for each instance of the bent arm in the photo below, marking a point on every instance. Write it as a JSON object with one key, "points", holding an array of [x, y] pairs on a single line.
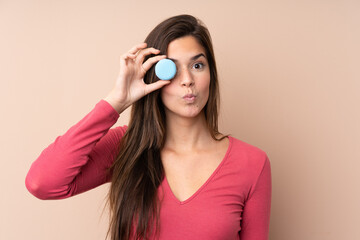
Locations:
{"points": [[78, 160]]}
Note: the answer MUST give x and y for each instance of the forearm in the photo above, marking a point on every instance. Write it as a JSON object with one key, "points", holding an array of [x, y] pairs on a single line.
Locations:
{"points": [[117, 104], [52, 174]]}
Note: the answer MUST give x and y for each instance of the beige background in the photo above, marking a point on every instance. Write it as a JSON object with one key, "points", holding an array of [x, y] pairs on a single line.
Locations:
{"points": [[289, 75]]}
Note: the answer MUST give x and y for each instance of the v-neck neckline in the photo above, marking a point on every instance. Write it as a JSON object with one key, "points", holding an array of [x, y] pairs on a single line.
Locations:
{"points": [[204, 184]]}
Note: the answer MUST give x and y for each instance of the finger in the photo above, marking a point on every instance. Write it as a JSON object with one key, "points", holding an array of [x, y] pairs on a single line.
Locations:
{"points": [[143, 71], [156, 85], [131, 56], [151, 61], [141, 55], [123, 59], [127, 56], [136, 48]]}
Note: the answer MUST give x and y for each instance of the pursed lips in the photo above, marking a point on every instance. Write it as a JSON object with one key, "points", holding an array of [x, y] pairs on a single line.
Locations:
{"points": [[189, 97]]}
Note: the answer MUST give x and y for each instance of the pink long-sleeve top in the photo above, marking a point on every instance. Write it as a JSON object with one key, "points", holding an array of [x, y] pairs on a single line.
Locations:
{"points": [[234, 202]]}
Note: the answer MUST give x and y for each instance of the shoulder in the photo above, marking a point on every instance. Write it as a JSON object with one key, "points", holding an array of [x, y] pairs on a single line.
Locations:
{"points": [[120, 129], [118, 132], [247, 156], [240, 147]]}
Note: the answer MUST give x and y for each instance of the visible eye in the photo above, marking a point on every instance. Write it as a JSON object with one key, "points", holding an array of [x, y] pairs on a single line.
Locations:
{"points": [[198, 65]]}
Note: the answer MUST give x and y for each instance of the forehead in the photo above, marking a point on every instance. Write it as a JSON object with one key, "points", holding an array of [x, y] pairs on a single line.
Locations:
{"points": [[184, 47]]}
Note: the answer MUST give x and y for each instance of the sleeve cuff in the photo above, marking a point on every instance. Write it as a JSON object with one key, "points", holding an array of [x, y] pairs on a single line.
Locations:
{"points": [[107, 109]]}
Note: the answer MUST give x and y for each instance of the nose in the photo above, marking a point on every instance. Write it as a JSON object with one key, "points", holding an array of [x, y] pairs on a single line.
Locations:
{"points": [[186, 78]]}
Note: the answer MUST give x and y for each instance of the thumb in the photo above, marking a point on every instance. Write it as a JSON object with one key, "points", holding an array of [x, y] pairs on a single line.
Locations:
{"points": [[156, 85]]}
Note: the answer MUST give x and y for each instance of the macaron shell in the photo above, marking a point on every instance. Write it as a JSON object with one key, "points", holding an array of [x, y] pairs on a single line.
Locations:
{"points": [[165, 69]]}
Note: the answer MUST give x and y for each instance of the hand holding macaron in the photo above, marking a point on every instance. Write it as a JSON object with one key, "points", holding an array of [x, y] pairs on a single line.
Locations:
{"points": [[130, 85]]}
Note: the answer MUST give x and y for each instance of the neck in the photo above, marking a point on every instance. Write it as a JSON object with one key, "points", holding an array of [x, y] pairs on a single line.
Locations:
{"points": [[187, 134]]}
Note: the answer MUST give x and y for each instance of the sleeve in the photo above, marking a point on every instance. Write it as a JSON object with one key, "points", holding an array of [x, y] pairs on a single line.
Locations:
{"points": [[77, 161], [256, 213]]}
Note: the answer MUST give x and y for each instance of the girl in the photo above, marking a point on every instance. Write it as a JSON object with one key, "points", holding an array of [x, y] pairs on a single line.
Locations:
{"points": [[173, 175]]}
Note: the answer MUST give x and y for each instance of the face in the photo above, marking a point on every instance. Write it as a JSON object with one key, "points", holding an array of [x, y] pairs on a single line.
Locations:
{"points": [[188, 91]]}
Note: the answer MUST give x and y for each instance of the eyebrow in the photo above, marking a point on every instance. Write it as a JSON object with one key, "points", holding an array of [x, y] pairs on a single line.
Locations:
{"points": [[192, 59]]}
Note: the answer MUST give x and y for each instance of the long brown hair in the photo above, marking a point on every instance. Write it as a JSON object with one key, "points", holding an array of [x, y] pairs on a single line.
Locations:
{"points": [[137, 171]]}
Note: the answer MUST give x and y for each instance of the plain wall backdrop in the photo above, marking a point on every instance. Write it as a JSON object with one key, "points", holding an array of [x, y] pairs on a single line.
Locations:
{"points": [[289, 80]]}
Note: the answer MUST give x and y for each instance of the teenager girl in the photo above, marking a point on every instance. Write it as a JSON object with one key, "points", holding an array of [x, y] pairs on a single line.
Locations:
{"points": [[173, 175]]}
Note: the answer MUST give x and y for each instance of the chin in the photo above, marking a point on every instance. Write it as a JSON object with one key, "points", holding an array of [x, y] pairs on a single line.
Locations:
{"points": [[188, 113]]}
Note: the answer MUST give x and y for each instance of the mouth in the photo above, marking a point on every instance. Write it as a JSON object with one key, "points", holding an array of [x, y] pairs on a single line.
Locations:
{"points": [[189, 97]]}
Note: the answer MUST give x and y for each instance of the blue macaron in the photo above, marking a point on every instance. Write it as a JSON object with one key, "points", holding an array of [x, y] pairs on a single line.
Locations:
{"points": [[165, 69]]}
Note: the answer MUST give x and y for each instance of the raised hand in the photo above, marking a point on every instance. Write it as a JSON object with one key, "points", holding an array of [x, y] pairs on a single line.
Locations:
{"points": [[130, 86]]}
